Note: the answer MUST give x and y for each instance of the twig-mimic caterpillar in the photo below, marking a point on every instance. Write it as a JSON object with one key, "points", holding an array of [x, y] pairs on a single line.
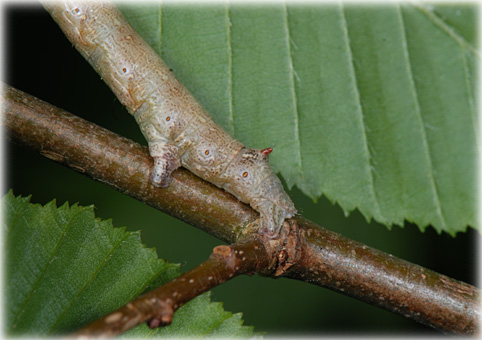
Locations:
{"points": [[178, 130]]}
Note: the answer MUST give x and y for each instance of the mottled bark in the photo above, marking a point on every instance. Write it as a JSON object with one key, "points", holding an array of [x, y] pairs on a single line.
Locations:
{"points": [[304, 251]]}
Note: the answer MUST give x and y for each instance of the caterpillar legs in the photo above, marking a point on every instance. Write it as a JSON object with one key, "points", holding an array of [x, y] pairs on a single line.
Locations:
{"points": [[166, 160], [273, 204]]}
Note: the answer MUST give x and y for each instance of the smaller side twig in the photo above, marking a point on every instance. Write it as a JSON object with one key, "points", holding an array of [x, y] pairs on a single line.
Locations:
{"points": [[159, 305]]}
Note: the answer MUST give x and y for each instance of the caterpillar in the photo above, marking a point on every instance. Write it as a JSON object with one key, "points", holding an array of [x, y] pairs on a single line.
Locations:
{"points": [[178, 130]]}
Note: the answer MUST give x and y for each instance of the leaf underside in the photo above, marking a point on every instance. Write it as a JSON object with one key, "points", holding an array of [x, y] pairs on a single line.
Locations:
{"points": [[66, 268], [373, 106]]}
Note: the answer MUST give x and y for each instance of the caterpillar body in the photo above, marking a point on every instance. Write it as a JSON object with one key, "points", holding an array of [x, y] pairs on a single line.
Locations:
{"points": [[178, 129]]}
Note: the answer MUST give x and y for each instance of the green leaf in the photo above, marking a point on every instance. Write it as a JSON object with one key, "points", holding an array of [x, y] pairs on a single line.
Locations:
{"points": [[66, 268], [198, 318], [373, 106]]}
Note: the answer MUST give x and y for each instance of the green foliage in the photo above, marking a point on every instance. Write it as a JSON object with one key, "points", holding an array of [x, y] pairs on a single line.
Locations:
{"points": [[373, 105], [66, 268], [199, 318]]}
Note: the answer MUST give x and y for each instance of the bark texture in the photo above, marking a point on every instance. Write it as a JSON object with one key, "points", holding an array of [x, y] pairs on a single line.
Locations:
{"points": [[159, 305], [304, 251]]}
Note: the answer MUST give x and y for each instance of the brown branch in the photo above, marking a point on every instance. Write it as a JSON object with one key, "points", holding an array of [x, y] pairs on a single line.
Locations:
{"points": [[312, 254], [159, 305]]}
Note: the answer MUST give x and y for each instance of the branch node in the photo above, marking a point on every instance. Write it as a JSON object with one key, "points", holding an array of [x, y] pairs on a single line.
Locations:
{"points": [[223, 251], [284, 250], [163, 315]]}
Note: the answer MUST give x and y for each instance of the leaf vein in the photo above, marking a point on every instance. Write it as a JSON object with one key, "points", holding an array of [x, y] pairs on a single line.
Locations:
{"points": [[447, 29], [367, 153], [471, 101], [418, 113], [160, 29], [101, 265], [296, 113], [44, 270], [230, 70]]}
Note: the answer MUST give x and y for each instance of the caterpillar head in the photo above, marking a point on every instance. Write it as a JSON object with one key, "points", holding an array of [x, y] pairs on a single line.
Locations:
{"points": [[252, 181]]}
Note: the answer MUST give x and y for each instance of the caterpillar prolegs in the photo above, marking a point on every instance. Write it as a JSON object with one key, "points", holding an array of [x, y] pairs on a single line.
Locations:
{"points": [[178, 130]]}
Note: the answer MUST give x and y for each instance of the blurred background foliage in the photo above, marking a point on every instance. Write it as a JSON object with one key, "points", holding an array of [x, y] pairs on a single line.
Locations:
{"points": [[39, 60]]}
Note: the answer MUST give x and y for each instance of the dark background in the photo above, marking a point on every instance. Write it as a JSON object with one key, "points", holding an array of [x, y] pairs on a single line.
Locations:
{"points": [[39, 60]]}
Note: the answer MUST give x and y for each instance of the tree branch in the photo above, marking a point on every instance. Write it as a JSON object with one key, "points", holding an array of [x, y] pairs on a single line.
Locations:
{"points": [[306, 252], [159, 305]]}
